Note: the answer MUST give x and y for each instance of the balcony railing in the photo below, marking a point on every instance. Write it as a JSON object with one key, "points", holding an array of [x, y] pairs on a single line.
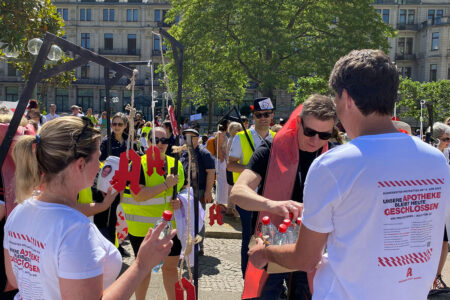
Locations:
{"points": [[104, 51], [405, 57], [402, 26]]}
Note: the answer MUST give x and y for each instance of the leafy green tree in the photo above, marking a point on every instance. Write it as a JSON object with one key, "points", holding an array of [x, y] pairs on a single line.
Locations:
{"points": [[307, 86], [268, 43], [436, 97], [21, 21]]}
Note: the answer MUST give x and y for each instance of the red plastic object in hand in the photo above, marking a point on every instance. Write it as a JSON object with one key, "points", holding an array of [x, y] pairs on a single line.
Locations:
{"points": [[120, 178], [215, 214], [154, 161], [179, 291]]}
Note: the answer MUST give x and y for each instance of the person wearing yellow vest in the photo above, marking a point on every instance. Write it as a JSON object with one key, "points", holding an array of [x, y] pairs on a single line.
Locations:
{"points": [[239, 156], [144, 209]]}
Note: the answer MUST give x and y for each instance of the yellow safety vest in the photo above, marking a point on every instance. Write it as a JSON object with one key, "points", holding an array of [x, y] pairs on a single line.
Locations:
{"points": [[85, 196], [147, 130], [247, 151], [142, 215]]}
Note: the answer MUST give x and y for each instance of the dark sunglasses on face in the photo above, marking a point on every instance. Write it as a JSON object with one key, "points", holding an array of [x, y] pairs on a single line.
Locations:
{"points": [[163, 141], [311, 132], [265, 115], [117, 124], [445, 139]]}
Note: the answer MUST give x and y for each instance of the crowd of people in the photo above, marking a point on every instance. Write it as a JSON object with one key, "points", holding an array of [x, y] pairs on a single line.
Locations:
{"points": [[372, 198]]}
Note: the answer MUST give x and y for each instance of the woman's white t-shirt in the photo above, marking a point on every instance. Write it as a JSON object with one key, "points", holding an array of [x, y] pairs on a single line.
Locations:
{"points": [[47, 241]]}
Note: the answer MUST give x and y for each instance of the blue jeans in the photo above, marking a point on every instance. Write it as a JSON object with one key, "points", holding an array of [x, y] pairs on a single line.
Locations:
{"points": [[297, 283], [246, 223]]}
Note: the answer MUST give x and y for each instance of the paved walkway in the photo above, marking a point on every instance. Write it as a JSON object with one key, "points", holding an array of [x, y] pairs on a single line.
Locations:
{"points": [[220, 276]]}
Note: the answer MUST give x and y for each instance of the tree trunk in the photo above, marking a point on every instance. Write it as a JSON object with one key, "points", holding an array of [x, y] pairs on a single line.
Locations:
{"points": [[210, 115]]}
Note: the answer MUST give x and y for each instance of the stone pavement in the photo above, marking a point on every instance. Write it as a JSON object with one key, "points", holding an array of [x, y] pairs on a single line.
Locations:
{"points": [[220, 276]]}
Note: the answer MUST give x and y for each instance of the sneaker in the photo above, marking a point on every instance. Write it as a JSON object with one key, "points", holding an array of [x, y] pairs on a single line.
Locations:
{"points": [[439, 283]]}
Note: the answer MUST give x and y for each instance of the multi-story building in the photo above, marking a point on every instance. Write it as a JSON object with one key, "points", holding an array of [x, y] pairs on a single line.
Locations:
{"points": [[121, 30], [421, 49]]}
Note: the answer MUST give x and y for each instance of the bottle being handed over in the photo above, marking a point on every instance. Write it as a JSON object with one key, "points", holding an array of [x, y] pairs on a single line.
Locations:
{"points": [[280, 237], [166, 217]]}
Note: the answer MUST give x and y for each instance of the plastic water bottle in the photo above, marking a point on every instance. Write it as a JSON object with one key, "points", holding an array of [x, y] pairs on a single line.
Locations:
{"points": [[280, 237], [297, 228], [289, 231], [166, 217], [268, 230]]}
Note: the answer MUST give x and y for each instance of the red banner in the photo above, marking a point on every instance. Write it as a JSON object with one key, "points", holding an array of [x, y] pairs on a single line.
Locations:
{"points": [[173, 121]]}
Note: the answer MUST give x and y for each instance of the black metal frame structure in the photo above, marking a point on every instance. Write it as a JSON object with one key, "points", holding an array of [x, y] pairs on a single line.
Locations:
{"points": [[81, 57]]}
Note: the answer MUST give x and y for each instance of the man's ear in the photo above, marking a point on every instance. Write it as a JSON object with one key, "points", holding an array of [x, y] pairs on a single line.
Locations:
{"points": [[349, 102]]}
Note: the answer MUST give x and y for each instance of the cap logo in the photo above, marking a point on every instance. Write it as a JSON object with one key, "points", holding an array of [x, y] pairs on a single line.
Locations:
{"points": [[265, 104]]}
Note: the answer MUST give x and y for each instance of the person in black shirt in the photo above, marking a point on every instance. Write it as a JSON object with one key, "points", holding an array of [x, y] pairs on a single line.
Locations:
{"points": [[168, 128], [314, 128]]}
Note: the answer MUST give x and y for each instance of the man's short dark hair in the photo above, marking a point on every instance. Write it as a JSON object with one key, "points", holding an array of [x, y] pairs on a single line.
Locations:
{"points": [[370, 78], [320, 107]]}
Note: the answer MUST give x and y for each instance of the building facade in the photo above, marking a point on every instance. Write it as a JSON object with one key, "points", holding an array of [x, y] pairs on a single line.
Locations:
{"points": [[421, 49]]}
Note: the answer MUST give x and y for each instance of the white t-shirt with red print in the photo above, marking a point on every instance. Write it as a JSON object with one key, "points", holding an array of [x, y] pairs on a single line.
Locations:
{"points": [[383, 200], [47, 241]]}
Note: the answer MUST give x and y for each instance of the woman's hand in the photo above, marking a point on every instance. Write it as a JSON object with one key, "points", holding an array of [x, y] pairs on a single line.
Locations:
{"points": [[171, 180], [153, 250], [108, 199]]}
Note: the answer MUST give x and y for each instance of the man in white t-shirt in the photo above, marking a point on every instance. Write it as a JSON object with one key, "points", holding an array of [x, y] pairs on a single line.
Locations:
{"points": [[377, 203], [52, 114]]}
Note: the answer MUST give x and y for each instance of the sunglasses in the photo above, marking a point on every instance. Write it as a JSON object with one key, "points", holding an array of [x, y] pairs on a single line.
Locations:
{"points": [[163, 141], [87, 124], [117, 124], [265, 115], [445, 139], [311, 132]]}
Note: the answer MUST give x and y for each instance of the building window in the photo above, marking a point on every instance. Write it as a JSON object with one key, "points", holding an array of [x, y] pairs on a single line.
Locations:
{"points": [[157, 15], [405, 46], [156, 43], [433, 72], [62, 99], [439, 15], [85, 98], [86, 40], [64, 12], [386, 16], [431, 16], [131, 44], [132, 15], [11, 71], [435, 41], [85, 14], [402, 19], [12, 93], [411, 16], [108, 14], [109, 41], [84, 74]]}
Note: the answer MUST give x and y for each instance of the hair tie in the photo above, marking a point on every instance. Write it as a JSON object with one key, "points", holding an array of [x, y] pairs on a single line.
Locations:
{"points": [[38, 139]]}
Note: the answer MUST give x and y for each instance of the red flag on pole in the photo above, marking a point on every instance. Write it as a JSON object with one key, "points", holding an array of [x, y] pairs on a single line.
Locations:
{"points": [[173, 121]]}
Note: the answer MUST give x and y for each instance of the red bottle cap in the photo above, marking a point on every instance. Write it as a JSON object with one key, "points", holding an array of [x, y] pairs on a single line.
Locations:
{"points": [[299, 220], [282, 228], [266, 220], [167, 215], [287, 222], [291, 215]]}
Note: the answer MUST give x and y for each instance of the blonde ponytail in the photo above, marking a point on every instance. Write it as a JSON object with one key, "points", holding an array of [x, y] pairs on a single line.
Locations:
{"points": [[28, 175]]}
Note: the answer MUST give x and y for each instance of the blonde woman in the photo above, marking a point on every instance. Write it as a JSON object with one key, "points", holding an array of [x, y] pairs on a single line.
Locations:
{"points": [[52, 251]]}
